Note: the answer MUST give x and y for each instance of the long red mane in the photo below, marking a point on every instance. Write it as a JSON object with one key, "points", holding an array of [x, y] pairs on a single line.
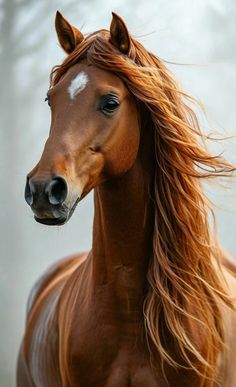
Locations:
{"points": [[182, 309]]}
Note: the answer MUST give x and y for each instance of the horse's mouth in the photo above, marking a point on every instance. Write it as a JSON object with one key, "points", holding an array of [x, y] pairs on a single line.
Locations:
{"points": [[60, 220], [52, 221]]}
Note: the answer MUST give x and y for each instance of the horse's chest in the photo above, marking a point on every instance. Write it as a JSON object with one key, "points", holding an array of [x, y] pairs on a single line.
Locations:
{"points": [[125, 369], [106, 355], [101, 354]]}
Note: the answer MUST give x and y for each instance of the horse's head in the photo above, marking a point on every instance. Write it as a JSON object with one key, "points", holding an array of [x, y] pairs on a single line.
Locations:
{"points": [[94, 131]]}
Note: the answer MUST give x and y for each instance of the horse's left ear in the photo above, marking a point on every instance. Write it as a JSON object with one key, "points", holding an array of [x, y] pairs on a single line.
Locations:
{"points": [[120, 37], [69, 36]]}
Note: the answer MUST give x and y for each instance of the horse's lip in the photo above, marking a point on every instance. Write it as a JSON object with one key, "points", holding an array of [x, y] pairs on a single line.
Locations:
{"points": [[57, 221], [52, 221]]}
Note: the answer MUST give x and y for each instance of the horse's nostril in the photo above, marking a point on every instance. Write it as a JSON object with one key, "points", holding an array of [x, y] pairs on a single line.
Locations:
{"points": [[56, 190], [38, 194], [28, 193]]}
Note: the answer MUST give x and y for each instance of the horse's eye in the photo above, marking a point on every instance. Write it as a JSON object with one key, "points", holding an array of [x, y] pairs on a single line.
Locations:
{"points": [[47, 100], [108, 104]]}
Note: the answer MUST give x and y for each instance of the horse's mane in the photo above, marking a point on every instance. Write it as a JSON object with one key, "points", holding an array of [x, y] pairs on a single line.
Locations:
{"points": [[182, 309]]}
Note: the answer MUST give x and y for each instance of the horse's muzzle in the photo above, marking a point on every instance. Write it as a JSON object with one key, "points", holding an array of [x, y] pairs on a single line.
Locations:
{"points": [[47, 199]]}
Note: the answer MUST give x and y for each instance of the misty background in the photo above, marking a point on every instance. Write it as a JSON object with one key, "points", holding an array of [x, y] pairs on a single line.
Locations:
{"points": [[199, 36]]}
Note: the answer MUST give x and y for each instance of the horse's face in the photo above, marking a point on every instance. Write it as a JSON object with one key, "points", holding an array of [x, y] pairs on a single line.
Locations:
{"points": [[94, 136]]}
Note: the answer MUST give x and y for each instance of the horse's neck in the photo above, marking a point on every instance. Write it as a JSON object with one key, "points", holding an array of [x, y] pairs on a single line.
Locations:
{"points": [[123, 227]]}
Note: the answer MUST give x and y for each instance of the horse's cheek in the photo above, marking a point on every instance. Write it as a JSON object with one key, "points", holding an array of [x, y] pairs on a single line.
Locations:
{"points": [[122, 148]]}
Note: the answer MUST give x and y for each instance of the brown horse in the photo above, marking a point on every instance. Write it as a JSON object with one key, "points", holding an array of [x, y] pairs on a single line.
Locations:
{"points": [[152, 303]]}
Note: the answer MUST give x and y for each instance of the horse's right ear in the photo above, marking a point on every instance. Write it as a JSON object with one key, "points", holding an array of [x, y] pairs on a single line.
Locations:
{"points": [[69, 36]]}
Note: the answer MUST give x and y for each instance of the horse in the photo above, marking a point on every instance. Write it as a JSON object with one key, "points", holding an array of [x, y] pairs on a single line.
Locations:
{"points": [[153, 303]]}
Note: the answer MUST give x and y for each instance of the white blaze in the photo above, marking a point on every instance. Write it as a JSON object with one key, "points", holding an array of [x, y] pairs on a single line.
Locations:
{"points": [[78, 84]]}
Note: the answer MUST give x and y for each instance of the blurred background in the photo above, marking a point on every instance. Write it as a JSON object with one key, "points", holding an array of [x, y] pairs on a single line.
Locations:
{"points": [[200, 37]]}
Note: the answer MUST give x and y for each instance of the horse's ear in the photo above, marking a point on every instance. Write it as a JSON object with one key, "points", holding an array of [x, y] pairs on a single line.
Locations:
{"points": [[69, 36], [120, 37]]}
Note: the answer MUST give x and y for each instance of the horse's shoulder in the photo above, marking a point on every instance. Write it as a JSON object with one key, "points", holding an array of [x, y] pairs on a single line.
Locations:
{"points": [[54, 274], [228, 264], [228, 357], [230, 278]]}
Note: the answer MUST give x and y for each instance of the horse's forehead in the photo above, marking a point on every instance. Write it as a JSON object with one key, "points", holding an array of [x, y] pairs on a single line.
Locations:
{"points": [[80, 76], [78, 84]]}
